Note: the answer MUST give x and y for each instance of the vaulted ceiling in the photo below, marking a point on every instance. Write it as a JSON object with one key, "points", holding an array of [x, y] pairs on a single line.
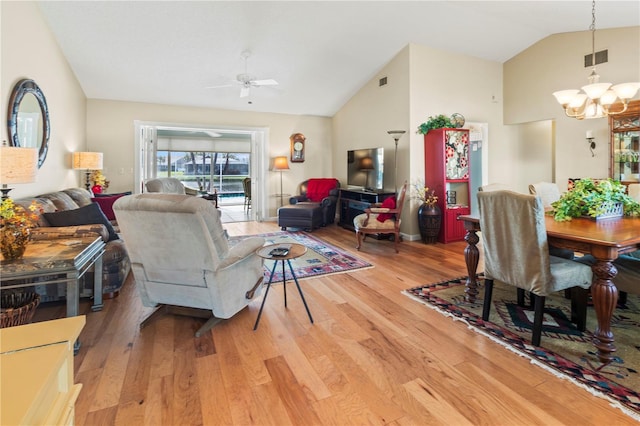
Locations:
{"points": [[320, 52]]}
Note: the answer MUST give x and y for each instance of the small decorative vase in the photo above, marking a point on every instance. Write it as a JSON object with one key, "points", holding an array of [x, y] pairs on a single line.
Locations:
{"points": [[96, 189], [13, 241], [429, 222]]}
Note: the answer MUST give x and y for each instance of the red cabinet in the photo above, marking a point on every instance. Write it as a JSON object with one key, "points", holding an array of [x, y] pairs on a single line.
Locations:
{"points": [[446, 164]]}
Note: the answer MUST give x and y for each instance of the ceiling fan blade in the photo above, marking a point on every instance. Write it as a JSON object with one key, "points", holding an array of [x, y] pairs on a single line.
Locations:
{"points": [[244, 92], [219, 86], [268, 82]]}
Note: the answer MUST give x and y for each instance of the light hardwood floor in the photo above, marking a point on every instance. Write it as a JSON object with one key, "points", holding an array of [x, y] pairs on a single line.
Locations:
{"points": [[373, 356]]}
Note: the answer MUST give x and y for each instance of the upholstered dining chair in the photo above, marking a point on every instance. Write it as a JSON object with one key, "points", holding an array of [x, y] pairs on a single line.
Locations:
{"points": [[515, 247], [494, 187], [628, 278], [246, 187], [633, 190], [548, 192], [381, 219], [181, 260]]}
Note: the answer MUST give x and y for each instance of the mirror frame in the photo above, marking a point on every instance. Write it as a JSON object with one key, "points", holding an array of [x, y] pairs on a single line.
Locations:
{"points": [[22, 88]]}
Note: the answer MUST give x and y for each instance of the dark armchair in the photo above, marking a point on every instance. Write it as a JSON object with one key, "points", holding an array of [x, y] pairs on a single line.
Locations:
{"points": [[328, 203], [314, 207]]}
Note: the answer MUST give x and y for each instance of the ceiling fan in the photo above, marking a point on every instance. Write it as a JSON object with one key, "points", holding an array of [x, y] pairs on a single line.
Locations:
{"points": [[245, 80]]}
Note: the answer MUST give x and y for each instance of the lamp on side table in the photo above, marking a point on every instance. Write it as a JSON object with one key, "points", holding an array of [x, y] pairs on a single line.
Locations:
{"points": [[87, 161], [17, 165]]}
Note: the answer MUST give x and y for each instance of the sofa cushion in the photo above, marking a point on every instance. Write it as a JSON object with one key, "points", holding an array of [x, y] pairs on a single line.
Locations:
{"points": [[106, 205], [61, 200], [80, 196], [87, 215], [318, 188]]}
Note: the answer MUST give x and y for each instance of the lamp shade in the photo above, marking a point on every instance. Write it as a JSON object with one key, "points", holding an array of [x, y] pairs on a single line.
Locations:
{"points": [[87, 160], [366, 163], [280, 163], [18, 165]]}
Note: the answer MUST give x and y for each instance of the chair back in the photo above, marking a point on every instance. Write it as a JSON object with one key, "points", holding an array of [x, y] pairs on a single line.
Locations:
{"points": [[514, 239], [165, 186], [495, 187], [246, 187], [400, 202], [633, 190], [548, 192]]}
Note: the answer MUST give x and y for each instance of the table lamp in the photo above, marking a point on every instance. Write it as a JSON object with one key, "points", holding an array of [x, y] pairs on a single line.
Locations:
{"points": [[280, 164], [17, 165], [87, 161]]}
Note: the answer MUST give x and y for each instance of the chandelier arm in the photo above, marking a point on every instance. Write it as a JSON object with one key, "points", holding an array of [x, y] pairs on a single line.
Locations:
{"points": [[624, 108]]}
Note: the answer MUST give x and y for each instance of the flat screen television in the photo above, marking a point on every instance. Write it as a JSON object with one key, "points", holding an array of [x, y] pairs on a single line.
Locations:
{"points": [[365, 168]]}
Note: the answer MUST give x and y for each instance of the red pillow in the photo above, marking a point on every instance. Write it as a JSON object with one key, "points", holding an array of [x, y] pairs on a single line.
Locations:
{"points": [[319, 188], [106, 205], [389, 203]]}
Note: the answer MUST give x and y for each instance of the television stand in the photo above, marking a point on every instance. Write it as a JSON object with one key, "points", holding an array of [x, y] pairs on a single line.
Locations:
{"points": [[353, 202]]}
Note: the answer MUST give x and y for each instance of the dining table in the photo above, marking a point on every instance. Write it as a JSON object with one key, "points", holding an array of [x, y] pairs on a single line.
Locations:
{"points": [[604, 239]]}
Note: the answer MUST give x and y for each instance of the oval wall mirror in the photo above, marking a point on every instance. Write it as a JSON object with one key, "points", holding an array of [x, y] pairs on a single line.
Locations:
{"points": [[28, 119]]}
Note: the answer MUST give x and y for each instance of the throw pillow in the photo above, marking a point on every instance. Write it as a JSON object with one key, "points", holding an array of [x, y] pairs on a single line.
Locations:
{"points": [[106, 205], [389, 203], [318, 188], [87, 215]]}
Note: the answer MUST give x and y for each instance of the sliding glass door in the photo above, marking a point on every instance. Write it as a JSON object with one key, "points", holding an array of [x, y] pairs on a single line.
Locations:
{"points": [[208, 171]]}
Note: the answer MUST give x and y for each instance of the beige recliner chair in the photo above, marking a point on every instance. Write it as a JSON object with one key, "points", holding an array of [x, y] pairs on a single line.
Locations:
{"points": [[168, 186], [180, 257]]}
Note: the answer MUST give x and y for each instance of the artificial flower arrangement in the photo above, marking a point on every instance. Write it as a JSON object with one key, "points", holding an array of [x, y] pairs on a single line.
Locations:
{"points": [[99, 181], [422, 193], [15, 224]]}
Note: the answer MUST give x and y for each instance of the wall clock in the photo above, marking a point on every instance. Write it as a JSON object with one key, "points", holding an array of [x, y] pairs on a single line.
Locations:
{"points": [[297, 147]]}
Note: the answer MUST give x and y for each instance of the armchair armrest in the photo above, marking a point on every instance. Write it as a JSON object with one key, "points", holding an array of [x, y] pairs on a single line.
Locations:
{"points": [[297, 199], [328, 200], [76, 231], [242, 250]]}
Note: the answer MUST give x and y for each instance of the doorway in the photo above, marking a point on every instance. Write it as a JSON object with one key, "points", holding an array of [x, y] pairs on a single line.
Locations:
{"points": [[208, 159]]}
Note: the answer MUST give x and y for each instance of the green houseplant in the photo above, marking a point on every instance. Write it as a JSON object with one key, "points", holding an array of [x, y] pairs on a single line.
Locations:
{"points": [[437, 122], [593, 198]]}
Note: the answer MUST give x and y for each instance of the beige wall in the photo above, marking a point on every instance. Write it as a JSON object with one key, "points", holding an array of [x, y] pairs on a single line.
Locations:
{"points": [[28, 50], [110, 128], [556, 63]]}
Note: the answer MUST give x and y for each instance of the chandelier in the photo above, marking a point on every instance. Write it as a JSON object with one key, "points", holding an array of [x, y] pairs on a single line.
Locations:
{"points": [[597, 98]]}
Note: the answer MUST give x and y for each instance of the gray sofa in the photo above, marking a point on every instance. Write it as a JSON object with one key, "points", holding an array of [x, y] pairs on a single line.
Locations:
{"points": [[115, 265]]}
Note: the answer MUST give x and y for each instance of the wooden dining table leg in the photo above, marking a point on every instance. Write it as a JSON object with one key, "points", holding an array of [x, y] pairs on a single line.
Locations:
{"points": [[605, 297], [471, 258]]}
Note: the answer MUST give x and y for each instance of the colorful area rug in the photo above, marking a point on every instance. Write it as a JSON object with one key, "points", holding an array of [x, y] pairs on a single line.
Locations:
{"points": [[321, 258], [564, 350]]}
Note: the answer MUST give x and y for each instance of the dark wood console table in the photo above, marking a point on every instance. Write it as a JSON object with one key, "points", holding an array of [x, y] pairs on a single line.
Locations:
{"points": [[353, 202]]}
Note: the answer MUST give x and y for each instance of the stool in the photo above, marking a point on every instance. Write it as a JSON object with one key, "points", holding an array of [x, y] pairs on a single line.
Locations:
{"points": [[302, 215]]}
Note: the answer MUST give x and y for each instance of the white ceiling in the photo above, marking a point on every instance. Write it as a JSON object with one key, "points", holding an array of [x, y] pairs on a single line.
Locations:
{"points": [[320, 52]]}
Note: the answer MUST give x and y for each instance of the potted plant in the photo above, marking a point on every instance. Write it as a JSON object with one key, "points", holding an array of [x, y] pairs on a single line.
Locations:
{"points": [[437, 122], [429, 213], [597, 199]]}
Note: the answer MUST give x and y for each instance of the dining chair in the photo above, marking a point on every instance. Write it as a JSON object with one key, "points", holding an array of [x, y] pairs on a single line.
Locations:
{"points": [[246, 187], [516, 253], [628, 278], [633, 190], [548, 192], [495, 187], [381, 219]]}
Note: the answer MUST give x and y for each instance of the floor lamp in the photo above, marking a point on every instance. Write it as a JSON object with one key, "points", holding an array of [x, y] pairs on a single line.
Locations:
{"points": [[87, 161], [17, 165], [396, 135], [280, 164]]}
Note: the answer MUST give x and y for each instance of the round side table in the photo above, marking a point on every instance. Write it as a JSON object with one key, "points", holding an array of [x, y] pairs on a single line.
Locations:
{"points": [[295, 251]]}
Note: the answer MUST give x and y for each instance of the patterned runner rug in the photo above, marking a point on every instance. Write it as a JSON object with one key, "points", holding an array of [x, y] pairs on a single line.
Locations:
{"points": [[564, 350], [321, 258]]}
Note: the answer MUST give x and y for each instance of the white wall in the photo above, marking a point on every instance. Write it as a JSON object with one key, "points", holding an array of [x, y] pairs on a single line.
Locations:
{"points": [[557, 63], [110, 129], [28, 50]]}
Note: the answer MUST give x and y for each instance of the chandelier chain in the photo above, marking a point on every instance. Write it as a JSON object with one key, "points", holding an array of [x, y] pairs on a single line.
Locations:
{"points": [[592, 27]]}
